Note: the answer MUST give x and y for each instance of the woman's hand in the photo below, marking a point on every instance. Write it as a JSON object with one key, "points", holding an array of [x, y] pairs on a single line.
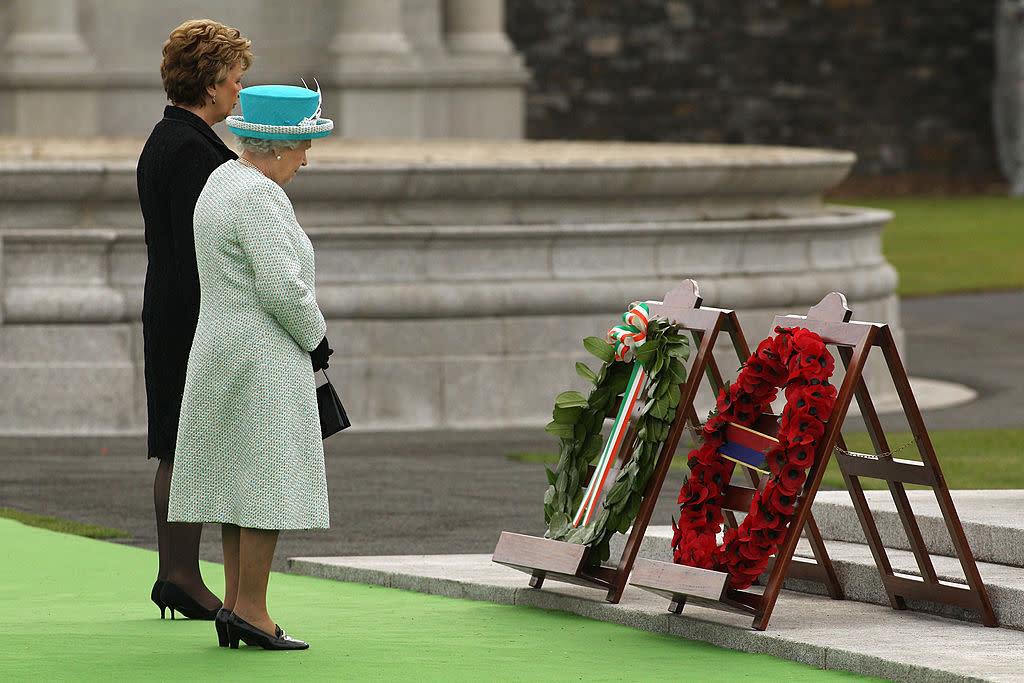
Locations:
{"points": [[320, 354]]}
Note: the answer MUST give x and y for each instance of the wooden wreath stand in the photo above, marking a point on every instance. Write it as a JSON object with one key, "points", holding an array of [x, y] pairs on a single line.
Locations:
{"points": [[830, 319], [547, 558]]}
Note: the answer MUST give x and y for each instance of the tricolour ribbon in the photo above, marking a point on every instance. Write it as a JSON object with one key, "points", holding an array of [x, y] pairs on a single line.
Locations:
{"points": [[631, 333], [626, 338]]}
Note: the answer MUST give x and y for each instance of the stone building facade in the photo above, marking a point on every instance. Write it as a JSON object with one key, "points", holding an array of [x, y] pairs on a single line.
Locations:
{"points": [[906, 85], [389, 68]]}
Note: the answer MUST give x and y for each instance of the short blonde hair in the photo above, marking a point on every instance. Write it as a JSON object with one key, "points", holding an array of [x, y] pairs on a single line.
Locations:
{"points": [[199, 53]]}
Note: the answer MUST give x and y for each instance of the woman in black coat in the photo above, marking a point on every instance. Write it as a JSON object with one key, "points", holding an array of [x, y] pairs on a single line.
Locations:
{"points": [[202, 68]]}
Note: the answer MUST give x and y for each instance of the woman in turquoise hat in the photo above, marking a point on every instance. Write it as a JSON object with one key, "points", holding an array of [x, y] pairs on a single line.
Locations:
{"points": [[249, 450]]}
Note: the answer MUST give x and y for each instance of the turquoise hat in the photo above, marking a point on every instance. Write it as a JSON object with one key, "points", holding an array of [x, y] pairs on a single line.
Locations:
{"points": [[280, 112]]}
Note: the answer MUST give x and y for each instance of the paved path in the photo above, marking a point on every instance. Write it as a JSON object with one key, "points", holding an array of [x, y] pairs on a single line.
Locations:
{"points": [[399, 494]]}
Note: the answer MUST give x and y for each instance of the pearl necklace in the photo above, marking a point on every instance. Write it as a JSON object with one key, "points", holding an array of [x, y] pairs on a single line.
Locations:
{"points": [[246, 162]]}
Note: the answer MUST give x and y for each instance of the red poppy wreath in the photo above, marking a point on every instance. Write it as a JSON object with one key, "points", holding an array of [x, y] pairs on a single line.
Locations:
{"points": [[797, 360]]}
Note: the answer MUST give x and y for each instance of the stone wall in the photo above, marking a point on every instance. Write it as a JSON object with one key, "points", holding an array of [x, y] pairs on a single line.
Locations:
{"points": [[458, 278], [906, 85]]}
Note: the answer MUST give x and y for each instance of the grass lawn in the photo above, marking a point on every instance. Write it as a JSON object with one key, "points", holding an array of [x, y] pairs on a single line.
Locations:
{"points": [[970, 459], [64, 526], [953, 244]]}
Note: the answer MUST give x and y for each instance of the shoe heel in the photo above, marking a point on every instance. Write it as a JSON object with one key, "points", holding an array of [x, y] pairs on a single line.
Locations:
{"points": [[223, 632], [154, 595]]}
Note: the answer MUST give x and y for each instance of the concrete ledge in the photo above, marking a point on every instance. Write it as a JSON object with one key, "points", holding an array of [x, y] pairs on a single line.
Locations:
{"points": [[860, 580], [840, 635], [994, 534]]}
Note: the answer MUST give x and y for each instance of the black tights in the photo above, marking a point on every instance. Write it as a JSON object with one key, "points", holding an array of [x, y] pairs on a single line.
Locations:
{"points": [[178, 544]]}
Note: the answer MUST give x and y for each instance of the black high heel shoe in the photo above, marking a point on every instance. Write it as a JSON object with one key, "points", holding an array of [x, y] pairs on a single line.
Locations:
{"points": [[177, 599], [154, 595], [240, 629], [221, 622]]}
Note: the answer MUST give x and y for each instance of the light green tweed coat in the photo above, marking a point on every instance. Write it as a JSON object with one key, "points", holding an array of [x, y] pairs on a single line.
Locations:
{"points": [[249, 450]]}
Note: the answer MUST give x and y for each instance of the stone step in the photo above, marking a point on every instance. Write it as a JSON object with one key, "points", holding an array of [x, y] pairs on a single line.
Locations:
{"points": [[860, 580], [994, 534], [995, 538], [994, 531]]}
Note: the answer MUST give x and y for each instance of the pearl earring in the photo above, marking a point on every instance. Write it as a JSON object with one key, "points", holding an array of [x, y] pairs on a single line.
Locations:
{"points": [[279, 157]]}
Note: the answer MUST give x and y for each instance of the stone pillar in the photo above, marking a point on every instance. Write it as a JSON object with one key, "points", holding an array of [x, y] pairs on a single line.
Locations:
{"points": [[45, 58], [476, 26], [373, 66], [1008, 92], [476, 41], [369, 35]]}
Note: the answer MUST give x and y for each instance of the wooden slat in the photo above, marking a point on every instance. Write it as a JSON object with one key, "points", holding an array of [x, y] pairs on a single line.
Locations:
{"points": [[530, 553], [671, 580], [891, 469], [738, 498], [945, 592]]}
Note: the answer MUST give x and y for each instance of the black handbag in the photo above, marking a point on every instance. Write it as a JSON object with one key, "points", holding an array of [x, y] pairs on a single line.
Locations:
{"points": [[332, 414]]}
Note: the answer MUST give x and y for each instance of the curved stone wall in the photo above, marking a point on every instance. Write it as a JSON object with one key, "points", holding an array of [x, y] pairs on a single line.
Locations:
{"points": [[458, 277]]}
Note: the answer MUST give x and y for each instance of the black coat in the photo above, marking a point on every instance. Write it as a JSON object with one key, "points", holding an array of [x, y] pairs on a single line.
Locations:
{"points": [[179, 156]]}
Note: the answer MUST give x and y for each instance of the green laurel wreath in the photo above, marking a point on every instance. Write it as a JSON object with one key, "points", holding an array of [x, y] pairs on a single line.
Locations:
{"points": [[578, 421]]}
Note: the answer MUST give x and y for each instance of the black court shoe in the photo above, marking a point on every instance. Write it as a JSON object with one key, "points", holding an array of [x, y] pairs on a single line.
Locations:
{"points": [[154, 595], [177, 599], [240, 629], [221, 622]]}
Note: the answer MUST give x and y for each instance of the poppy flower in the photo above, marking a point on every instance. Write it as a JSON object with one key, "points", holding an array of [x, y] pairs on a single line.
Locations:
{"points": [[696, 494], [791, 479], [768, 538], [778, 458], [806, 431], [780, 501], [749, 551], [801, 455], [749, 382]]}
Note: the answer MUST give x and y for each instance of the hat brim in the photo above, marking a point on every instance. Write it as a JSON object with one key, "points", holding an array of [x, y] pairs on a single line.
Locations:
{"points": [[241, 128]]}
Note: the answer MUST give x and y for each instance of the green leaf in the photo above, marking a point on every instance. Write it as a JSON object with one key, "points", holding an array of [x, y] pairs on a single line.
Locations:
{"points": [[562, 481], [634, 507], [646, 353], [579, 535], [600, 399], [566, 416], [551, 476], [600, 348], [549, 495], [626, 520], [585, 372], [678, 350], [570, 399], [559, 525], [559, 430], [677, 371], [619, 492], [591, 447]]}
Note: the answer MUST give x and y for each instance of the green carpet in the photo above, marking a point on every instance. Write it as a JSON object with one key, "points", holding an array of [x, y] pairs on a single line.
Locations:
{"points": [[78, 609]]}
